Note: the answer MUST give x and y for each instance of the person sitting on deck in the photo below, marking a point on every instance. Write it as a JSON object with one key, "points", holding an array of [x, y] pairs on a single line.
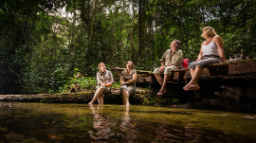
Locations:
{"points": [[212, 51], [128, 80], [172, 59], [104, 81]]}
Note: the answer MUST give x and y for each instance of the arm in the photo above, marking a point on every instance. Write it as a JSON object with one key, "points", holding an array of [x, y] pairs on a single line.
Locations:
{"points": [[162, 60], [134, 79], [200, 56], [111, 78], [162, 64], [98, 79], [121, 79], [219, 42]]}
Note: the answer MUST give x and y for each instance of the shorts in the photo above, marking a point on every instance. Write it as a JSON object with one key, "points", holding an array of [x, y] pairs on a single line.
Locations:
{"points": [[130, 88], [205, 62], [107, 90], [167, 70]]}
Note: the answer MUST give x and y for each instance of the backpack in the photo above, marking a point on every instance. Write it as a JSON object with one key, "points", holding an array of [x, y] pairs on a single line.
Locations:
{"points": [[185, 63]]}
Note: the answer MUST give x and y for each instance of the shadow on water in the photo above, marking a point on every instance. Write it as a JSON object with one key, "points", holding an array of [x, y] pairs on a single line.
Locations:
{"points": [[37, 122]]}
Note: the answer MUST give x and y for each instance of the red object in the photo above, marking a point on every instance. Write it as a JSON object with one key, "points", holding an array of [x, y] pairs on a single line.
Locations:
{"points": [[185, 63]]}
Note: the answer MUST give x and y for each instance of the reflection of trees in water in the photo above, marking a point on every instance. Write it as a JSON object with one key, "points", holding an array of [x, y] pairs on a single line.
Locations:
{"points": [[190, 133]]}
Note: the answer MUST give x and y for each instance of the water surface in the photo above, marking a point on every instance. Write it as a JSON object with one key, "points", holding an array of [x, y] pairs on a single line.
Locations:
{"points": [[42, 122]]}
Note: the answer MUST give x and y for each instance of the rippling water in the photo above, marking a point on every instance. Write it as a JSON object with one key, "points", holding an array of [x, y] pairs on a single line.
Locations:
{"points": [[41, 122]]}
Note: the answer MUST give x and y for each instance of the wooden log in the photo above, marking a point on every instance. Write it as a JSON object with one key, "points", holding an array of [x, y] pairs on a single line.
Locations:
{"points": [[144, 72]]}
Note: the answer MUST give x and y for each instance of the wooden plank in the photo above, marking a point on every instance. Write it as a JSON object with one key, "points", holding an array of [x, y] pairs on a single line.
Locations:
{"points": [[179, 75], [175, 75], [176, 82], [182, 75], [187, 75], [180, 70]]}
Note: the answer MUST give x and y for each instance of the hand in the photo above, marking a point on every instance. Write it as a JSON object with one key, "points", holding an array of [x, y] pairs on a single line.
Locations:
{"points": [[161, 69], [104, 84], [197, 60], [122, 83]]}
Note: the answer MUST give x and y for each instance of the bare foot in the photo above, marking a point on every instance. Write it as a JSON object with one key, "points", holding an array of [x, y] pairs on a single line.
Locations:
{"points": [[160, 93], [90, 104], [186, 87], [194, 87]]}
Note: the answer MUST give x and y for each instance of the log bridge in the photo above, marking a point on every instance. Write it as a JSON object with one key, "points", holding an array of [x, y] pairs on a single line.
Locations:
{"points": [[245, 69]]}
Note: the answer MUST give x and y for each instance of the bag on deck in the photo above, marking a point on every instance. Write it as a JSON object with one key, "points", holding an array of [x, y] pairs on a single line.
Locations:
{"points": [[185, 63]]}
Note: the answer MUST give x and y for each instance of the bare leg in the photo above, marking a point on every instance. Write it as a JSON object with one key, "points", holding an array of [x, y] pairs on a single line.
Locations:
{"points": [[100, 100], [192, 72], [159, 78], [193, 84], [163, 89], [96, 95], [166, 79], [123, 99], [126, 97]]}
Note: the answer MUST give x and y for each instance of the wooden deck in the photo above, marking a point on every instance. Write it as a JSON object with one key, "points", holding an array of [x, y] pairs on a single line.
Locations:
{"points": [[226, 70]]}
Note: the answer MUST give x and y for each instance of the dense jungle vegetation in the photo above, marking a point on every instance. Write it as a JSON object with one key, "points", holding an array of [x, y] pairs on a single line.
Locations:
{"points": [[45, 42]]}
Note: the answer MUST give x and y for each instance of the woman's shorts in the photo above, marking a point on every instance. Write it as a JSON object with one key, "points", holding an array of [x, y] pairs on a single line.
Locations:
{"points": [[205, 62], [130, 88], [167, 70], [106, 89]]}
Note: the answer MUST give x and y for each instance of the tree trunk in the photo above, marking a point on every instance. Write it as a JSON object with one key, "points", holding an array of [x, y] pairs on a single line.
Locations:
{"points": [[132, 30], [141, 28], [92, 13]]}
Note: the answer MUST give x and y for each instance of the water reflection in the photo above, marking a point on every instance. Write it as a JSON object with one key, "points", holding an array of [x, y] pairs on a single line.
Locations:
{"points": [[33, 122], [125, 119], [101, 123]]}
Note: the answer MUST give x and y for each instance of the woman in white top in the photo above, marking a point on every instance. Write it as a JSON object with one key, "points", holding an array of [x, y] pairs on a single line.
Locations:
{"points": [[212, 51], [104, 81]]}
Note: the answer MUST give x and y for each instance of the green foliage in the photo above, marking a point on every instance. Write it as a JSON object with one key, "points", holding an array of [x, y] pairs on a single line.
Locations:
{"points": [[41, 45], [116, 85], [146, 96], [86, 83]]}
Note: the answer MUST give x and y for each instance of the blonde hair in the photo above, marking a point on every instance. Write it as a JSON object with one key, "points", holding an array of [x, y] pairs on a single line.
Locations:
{"points": [[208, 31], [100, 65], [132, 65], [177, 43]]}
